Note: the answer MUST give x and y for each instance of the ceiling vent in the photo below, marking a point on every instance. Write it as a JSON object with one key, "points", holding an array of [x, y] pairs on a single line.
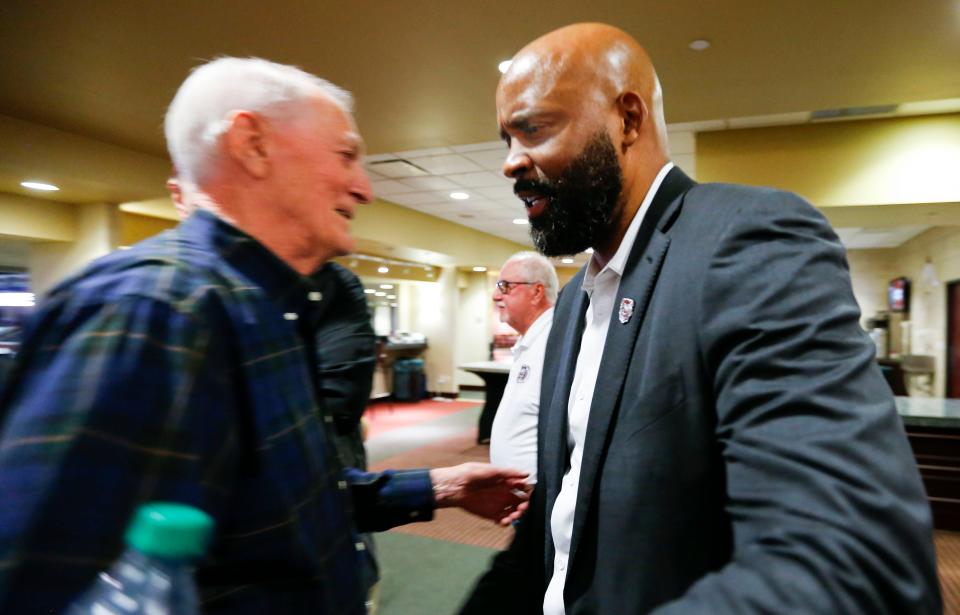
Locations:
{"points": [[396, 168], [852, 113]]}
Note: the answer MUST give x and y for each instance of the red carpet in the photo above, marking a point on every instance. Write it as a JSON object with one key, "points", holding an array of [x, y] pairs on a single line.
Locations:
{"points": [[452, 525], [385, 416]]}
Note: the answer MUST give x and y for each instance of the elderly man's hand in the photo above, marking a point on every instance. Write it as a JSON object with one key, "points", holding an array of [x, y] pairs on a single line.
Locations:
{"points": [[499, 494]]}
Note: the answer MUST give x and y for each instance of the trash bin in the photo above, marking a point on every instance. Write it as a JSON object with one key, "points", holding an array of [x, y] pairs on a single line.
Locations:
{"points": [[408, 380]]}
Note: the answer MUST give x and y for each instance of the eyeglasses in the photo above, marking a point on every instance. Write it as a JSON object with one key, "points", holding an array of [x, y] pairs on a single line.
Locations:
{"points": [[504, 286]]}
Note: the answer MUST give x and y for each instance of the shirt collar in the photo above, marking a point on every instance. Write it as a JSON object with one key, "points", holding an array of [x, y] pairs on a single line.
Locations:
{"points": [[292, 292], [619, 260], [536, 329]]}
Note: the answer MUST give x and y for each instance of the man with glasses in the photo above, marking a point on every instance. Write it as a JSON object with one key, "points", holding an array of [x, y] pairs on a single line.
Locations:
{"points": [[524, 296]]}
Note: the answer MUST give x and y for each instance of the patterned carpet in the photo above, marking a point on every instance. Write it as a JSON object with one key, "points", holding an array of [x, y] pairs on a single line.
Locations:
{"points": [[459, 527], [452, 525], [948, 565], [386, 416]]}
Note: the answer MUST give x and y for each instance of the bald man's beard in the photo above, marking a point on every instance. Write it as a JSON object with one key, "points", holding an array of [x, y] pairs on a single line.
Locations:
{"points": [[583, 201]]}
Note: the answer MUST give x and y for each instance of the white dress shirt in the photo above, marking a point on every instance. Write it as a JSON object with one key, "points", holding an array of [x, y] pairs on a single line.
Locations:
{"points": [[513, 438], [601, 287]]}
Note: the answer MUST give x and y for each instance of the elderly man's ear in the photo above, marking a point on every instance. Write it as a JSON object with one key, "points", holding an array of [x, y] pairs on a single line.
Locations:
{"points": [[176, 193], [245, 143]]}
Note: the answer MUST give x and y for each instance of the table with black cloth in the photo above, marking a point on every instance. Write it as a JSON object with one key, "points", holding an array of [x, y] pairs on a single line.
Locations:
{"points": [[494, 375]]}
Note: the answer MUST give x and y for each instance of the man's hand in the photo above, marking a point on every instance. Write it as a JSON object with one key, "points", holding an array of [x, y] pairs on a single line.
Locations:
{"points": [[499, 494]]}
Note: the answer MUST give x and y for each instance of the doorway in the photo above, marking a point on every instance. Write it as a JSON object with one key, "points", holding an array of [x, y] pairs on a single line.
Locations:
{"points": [[953, 339]]}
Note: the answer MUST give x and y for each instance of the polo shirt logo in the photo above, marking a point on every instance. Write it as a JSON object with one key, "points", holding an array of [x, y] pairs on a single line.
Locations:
{"points": [[523, 373]]}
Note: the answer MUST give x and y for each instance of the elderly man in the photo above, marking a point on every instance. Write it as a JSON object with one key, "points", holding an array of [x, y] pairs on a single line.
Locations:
{"points": [[715, 436], [524, 295], [184, 369], [345, 346]]}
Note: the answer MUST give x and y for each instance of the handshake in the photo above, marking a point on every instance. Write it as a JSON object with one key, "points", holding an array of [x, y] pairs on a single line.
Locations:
{"points": [[498, 494]]}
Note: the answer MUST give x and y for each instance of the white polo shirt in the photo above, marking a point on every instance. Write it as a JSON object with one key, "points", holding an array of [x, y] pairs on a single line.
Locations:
{"points": [[513, 437], [601, 285]]}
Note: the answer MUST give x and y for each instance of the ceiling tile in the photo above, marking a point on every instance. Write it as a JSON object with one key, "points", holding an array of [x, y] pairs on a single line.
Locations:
{"points": [[479, 205], [434, 208], [498, 193], [419, 198], [482, 179], [878, 237], [419, 153], [395, 168], [431, 182], [452, 163], [478, 147], [492, 160], [389, 187], [377, 158]]}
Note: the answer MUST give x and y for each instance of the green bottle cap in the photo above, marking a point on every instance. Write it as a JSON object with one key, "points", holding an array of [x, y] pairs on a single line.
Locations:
{"points": [[168, 530]]}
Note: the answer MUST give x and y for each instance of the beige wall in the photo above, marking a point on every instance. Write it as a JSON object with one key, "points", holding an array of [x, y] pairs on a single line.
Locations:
{"points": [[902, 160], [50, 262], [928, 303], [36, 219], [79, 163], [474, 330], [431, 308], [872, 270], [399, 226]]}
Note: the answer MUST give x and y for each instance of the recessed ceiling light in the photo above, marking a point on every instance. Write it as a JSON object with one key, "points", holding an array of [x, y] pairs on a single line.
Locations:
{"points": [[16, 299], [479, 269], [368, 291], [589, 250], [45, 187], [383, 269], [521, 221], [566, 261], [379, 294], [699, 44], [386, 286], [504, 66], [391, 297], [459, 196]]}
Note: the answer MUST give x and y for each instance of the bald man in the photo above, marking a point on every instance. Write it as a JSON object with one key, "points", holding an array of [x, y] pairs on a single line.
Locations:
{"points": [[715, 436]]}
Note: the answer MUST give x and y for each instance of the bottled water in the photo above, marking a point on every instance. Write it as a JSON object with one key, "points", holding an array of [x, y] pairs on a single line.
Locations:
{"points": [[154, 576]]}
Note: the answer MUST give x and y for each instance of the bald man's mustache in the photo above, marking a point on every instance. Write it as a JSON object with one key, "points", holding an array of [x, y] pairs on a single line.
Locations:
{"points": [[532, 185]]}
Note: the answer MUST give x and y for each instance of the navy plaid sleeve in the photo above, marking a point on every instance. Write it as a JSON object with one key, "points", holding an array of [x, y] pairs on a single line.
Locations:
{"points": [[101, 414], [387, 499]]}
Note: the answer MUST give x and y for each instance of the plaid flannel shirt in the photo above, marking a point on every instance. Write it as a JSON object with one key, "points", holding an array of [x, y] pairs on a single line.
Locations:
{"points": [[184, 370]]}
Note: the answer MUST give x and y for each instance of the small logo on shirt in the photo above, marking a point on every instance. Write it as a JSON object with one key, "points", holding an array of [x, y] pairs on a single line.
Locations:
{"points": [[626, 310], [523, 373]]}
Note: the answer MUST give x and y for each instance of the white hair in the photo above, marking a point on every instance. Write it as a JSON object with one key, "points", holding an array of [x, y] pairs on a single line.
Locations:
{"points": [[536, 268], [200, 112]]}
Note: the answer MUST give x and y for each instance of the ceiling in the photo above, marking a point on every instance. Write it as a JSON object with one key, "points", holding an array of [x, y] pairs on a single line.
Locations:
{"points": [[424, 73]]}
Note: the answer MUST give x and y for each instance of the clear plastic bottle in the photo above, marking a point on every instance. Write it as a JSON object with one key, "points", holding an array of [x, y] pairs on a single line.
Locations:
{"points": [[154, 576]]}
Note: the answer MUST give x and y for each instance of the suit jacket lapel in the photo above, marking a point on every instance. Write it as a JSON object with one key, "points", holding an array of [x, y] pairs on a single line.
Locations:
{"points": [[555, 431], [555, 454], [639, 276]]}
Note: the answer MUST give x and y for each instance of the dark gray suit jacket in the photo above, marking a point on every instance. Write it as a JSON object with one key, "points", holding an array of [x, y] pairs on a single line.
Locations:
{"points": [[743, 453]]}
